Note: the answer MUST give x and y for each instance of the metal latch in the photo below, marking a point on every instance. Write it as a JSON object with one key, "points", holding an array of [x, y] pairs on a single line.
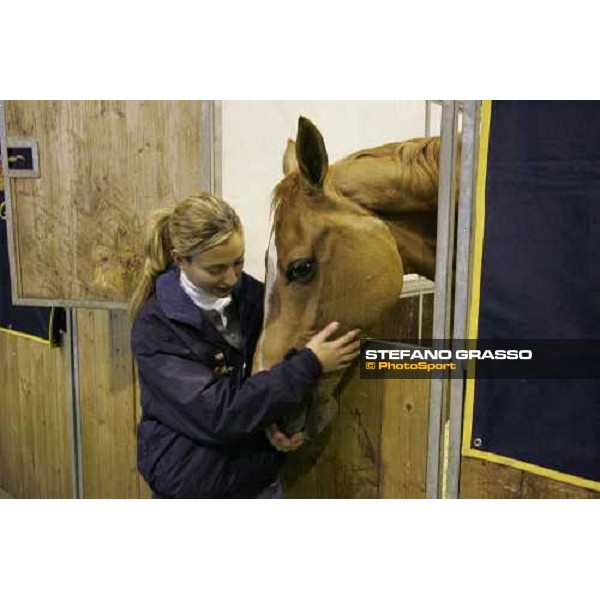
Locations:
{"points": [[22, 158]]}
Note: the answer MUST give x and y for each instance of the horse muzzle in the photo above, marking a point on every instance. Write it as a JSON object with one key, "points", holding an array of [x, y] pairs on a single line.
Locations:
{"points": [[316, 412]]}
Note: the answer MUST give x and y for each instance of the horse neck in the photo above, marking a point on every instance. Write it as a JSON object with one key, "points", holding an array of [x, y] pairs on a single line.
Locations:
{"points": [[415, 236], [411, 221]]}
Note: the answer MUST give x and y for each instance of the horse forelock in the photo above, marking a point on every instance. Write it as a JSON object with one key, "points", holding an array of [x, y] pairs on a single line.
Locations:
{"points": [[287, 188], [293, 192]]}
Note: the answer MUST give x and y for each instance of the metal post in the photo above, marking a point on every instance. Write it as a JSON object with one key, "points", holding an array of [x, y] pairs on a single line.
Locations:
{"points": [[427, 118], [75, 399], [211, 146], [10, 213], [465, 204], [443, 264], [217, 148]]}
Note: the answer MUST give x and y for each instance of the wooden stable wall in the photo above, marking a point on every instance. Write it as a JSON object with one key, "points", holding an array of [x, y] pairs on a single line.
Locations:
{"points": [[387, 457], [35, 445], [35, 413], [35, 430]]}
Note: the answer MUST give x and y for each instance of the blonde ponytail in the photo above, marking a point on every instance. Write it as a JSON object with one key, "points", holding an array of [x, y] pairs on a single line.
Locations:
{"points": [[192, 226], [158, 258]]}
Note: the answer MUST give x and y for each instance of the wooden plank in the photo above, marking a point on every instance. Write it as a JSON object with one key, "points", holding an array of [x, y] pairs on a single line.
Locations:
{"points": [[403, 444], [358, 435], [104, 166], [535, 486], [11, 460], [427, 323], [58, 418], [107, 405], [27, 418], [87, 381], [404, 438], [32, 411], [54, 454], [35, 457], [483, 479]]}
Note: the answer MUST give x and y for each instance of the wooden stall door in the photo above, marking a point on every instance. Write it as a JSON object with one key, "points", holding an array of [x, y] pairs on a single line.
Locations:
{"points": [[104, 166]]}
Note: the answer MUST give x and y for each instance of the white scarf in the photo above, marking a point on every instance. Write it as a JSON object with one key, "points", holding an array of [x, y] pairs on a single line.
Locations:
{"points": [[203, 299]]}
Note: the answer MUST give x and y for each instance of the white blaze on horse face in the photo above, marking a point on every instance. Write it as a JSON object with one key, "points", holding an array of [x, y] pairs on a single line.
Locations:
{"points": [[270, 277], [271, 274]]}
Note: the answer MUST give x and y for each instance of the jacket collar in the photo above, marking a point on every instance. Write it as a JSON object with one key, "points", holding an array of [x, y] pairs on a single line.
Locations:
{"points": [[174, 302], [178, 306]]}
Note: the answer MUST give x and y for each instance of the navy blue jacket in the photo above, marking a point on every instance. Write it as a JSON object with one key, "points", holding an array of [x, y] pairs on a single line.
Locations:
{"points": [[201, 434]]}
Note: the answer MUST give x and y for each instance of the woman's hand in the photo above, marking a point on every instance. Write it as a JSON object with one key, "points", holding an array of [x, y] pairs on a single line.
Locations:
{"points": [[336, 354], [282, 442]]}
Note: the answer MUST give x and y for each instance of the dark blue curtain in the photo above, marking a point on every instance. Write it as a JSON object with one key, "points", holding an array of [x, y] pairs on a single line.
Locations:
{"points": [[541, 279]]}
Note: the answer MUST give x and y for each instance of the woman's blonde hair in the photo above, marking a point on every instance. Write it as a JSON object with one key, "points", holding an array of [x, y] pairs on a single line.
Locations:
{"points": [[193, 225]]}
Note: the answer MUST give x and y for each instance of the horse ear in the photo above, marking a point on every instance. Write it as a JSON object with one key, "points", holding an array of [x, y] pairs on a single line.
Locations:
{"points": [[311, 152], [290, 163]]}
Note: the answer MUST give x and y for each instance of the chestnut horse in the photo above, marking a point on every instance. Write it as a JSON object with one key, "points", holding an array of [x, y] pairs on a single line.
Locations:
{"points": [[342, 238]]}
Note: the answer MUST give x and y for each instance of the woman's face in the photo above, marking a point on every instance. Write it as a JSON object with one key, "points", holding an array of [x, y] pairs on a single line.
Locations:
{"points": [[217, 270]]}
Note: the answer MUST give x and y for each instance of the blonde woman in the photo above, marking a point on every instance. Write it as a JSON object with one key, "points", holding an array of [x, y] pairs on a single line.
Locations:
{"points": [[197, 319]]}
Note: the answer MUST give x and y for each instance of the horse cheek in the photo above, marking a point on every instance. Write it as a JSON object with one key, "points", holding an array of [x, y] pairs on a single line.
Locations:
{"points": [[365, 283]]}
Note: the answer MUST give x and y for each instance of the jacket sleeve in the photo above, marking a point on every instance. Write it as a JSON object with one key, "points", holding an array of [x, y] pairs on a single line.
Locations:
{"points": [[187, 397]]}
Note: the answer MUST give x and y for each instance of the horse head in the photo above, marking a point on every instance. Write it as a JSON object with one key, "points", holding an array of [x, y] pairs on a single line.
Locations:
{"points": [[329, 258]]}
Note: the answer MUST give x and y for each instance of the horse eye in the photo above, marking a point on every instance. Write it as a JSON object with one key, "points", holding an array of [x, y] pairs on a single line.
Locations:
{"points": [[301, 271]]}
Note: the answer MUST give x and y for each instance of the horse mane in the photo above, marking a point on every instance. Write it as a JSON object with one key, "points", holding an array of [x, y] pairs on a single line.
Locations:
{"points": [[398, 169], [422, 150], [408, 168]]}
